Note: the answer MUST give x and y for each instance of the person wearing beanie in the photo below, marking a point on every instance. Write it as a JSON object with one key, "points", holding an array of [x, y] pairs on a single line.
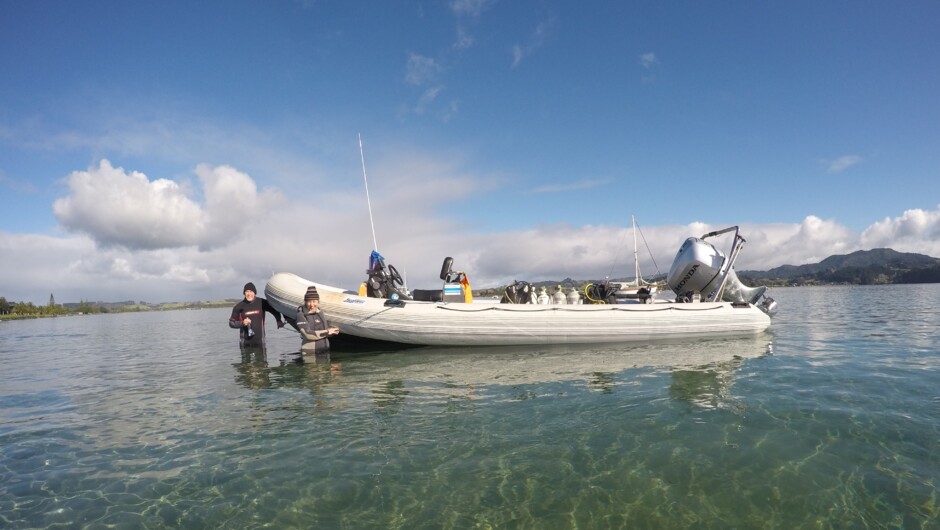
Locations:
{"points": [[313, 326], [248, 317]]}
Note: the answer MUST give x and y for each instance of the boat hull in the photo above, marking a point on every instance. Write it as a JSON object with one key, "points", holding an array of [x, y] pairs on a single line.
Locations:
{"points": [[491, 324]]}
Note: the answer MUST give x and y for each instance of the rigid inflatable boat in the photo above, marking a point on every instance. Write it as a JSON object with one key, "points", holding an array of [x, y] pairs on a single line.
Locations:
{"points": [[708, 300]]}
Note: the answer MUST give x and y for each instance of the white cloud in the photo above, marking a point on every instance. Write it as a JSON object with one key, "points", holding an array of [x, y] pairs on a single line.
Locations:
{"points": [[842, 163], [127, 209], [471, 8], [427, 98], [74, 268], [536, 40], [648, 60], [812, 240], [325, 234], [466, 12], [117, 208], [420, 70], [914, 231], [464, 39], [232, 203], [571, 186]]}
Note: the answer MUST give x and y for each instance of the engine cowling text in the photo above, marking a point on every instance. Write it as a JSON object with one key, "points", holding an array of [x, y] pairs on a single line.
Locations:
{"points": [[686, 278]]}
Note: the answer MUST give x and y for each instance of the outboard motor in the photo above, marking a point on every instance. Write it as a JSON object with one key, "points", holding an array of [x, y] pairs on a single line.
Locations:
{"points": [[700, 268], [735, 291]]}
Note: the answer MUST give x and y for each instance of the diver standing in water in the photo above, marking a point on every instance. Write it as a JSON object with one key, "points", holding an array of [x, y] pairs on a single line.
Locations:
{"points": [[248, 318], [312, 324]]}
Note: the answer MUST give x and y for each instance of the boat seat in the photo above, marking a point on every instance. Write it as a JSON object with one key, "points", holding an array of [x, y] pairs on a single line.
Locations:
{"points": [[428, 295]]}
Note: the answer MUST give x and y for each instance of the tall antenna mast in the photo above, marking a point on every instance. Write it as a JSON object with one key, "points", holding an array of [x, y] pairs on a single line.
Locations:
{"points": [[362, 156], [636, 258]]}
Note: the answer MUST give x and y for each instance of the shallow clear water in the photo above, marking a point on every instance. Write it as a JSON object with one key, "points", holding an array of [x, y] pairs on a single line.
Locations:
{"points": [[830, 420]]}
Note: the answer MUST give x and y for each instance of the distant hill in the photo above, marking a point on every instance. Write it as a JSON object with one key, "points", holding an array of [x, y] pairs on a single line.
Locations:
{"points": [[864, 267]]}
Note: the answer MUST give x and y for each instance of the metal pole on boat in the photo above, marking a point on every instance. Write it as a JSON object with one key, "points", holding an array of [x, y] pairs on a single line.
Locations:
{"points": [[636, 258], [362, 156], [728, 263]]}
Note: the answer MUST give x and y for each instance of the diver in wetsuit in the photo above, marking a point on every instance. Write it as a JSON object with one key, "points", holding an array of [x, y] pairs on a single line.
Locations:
{"points": [[248, 317], [311, 322]]}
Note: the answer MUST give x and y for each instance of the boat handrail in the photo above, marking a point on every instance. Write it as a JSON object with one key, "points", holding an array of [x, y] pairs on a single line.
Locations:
{"points": [[728, 262]]}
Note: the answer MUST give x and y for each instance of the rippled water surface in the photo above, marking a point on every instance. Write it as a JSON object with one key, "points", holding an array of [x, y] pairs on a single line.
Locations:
{"points": [[157, 420]]}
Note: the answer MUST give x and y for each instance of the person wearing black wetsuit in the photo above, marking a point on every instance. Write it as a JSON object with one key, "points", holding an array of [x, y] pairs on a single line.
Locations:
{"points": [[314, 330], [248, 317]]}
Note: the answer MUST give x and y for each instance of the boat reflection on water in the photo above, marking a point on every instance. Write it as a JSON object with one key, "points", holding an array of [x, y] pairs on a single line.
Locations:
{"points": [[707, 386], [701, 372]]}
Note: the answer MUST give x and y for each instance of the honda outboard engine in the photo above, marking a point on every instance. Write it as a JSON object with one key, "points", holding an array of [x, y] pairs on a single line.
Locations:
{"points": [[700, 268], [735, 291]]}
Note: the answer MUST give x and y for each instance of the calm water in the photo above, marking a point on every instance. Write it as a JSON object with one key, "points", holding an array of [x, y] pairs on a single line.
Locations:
{"points": [[830, 420]]}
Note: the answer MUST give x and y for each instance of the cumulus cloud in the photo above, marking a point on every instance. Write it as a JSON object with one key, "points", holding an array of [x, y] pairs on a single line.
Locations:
{"points": [[128, 209], [842, 163], [119, 208], [232, 203], [243, 234], [810, 241], [914, 231]]}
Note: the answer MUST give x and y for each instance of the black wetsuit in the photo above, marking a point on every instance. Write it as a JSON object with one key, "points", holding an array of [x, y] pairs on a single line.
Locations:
{"points": [[313, 330], [255, 311]]}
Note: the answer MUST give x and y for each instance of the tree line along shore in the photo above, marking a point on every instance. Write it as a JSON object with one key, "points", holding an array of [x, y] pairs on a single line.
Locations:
{"points": [[17, 310]]}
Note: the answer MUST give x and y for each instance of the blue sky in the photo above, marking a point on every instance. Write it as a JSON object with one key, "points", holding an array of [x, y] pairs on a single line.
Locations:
{"points": [[167, 151]]}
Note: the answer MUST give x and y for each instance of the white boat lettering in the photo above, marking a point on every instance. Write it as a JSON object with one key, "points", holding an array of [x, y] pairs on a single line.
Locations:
{"points": [[687, 276], [354, 301]]}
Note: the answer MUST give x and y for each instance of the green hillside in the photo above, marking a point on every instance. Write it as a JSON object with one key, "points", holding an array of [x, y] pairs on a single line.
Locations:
{"points": [[863, 267]]}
